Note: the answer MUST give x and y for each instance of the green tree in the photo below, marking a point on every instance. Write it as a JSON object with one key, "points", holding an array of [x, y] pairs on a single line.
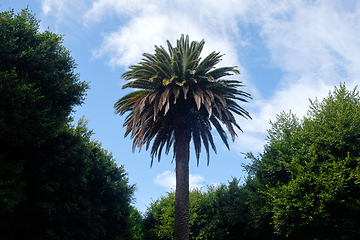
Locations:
{"points": [[218, 213], [38, 89], [308, 174], [74, 190], [136, 220], [268, 170], [159, 218], [179, 98]]}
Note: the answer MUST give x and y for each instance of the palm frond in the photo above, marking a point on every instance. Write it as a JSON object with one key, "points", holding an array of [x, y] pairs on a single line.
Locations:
{"points": [[177, 87]]}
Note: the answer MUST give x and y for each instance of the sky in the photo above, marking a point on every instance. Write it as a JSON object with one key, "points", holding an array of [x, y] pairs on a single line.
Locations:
{"points": [[287, 52]]}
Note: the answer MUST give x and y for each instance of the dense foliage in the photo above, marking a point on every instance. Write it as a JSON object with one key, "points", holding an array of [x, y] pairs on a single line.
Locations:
{"points": [[38, 89], [39, 69], [304, 185], [218, 213], [74, 190], [55, 182], [308, 175]]}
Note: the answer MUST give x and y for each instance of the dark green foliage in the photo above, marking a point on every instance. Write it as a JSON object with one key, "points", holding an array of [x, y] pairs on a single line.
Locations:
{"points": [[159, 218], [136, 222], [307, 178], [38, 89], [55, 183], [219, 213], [304, 185], [74, 190]]}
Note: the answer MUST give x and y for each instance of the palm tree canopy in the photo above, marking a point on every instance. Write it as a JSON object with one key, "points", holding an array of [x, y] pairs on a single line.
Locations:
{"points": [[176, 87]]}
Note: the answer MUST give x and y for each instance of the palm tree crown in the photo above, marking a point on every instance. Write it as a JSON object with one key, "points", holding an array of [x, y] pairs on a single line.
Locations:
{"points": [[177, 88]]}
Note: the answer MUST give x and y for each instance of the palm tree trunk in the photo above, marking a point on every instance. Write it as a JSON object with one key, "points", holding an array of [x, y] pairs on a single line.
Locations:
{"points": [[182, 155]]}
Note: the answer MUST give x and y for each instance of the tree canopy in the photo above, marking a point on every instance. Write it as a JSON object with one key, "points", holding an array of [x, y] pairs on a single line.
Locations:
{"points": [[55, 182], [304, 185], [74, 190], [308, 174], [38, 89], [39, 69], [219, 212]]}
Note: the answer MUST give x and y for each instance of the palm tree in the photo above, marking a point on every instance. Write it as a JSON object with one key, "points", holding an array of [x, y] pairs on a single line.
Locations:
{"points": [[180, 97]]}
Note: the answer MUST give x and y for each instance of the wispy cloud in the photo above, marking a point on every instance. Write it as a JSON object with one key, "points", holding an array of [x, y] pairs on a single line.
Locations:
{"points": [[168, 181], [48, 5], [314, 44], [152, 22], [64, 15], [316, 38]]}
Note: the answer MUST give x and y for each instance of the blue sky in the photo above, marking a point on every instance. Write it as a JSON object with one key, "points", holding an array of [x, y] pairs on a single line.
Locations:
{"points": [[286, 51]]}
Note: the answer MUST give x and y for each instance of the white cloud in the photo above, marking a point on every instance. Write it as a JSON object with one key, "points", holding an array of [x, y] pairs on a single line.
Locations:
{"points": [[62, 15], [103, 9], [48, 5], [318, 38], [314, 43], [294, 97], [167, 180], [127, 45], [302, 36], [152, 22]]}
